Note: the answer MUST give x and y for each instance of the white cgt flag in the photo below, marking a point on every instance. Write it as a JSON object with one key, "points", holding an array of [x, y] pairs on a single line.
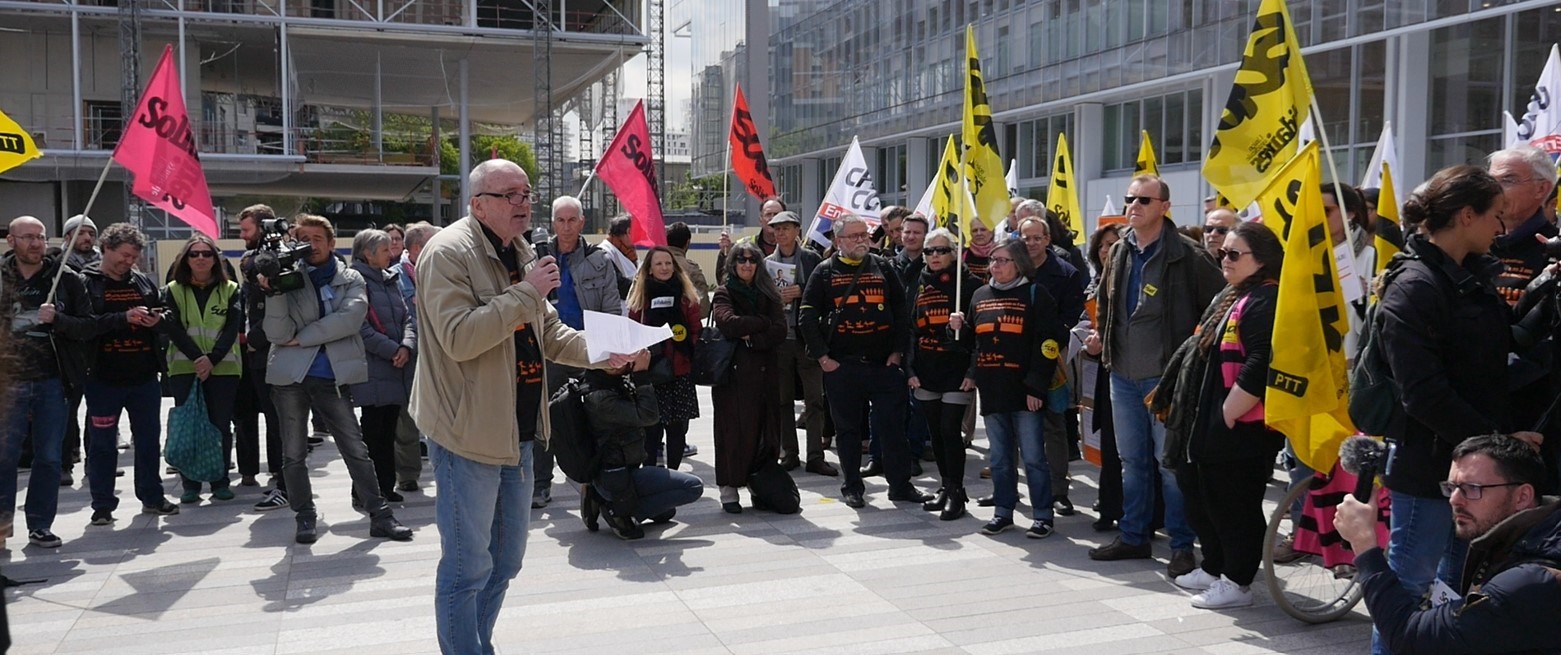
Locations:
{"points": [[1540, 125], [1387, 152], [853, 191]]}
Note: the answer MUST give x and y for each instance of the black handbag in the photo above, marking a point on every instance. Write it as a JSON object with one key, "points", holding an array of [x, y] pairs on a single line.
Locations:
{"points": [[713, 355], [1375, 405], [773, 489]]}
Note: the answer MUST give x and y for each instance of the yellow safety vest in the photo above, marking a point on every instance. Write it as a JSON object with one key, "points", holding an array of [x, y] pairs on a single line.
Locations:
{"points": [[203, 326]]}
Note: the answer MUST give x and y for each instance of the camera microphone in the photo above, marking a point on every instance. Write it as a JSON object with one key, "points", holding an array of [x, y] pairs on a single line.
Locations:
{"points": [[1364, 457]]}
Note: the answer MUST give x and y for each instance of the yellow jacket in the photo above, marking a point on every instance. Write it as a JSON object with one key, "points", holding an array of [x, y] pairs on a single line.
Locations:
{"points": [[463, 394]]}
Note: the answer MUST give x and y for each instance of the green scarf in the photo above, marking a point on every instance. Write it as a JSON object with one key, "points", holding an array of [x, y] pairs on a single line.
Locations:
{"points": [[748, 292]]}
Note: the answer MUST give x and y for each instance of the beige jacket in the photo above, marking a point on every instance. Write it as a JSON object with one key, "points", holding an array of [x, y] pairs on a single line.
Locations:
{"points": [[463, 395]]}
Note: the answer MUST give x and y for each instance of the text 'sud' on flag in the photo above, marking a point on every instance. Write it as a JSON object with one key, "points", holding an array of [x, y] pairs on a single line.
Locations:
{"points": [[16, 145], [1307, 379], [937, 204], [1062, 197], [158, 148], [747, 154], [629, 168], [1260, 126], [983, 164]]}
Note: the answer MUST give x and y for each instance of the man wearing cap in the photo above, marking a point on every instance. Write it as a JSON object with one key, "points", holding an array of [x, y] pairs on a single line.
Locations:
{"points": [[81, 253], [792, 355], [84, 250]]}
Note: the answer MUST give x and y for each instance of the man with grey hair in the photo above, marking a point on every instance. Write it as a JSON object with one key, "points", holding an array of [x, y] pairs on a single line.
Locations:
{"points": [[855, 320], [409, 448], [1216, 224], [1527, 174], [588, 281], [486, 332]]}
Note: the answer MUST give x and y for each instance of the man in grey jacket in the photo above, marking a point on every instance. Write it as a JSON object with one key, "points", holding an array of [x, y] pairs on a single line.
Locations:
{"points": [[316, 352], [588, 280]]}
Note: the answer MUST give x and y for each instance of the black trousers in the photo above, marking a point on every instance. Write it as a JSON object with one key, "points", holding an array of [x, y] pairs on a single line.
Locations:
{"points": [[857, 391], [379, 434], [945, 422], [1224, 504]]}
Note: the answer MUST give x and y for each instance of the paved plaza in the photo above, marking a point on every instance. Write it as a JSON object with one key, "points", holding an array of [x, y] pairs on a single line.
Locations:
{"points": [[223, 579]]}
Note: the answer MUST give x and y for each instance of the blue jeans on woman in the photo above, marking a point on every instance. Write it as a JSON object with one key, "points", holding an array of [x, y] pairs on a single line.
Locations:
{"points": [[1421, 548], [1022, 431], [38, 405], [483, 512]]}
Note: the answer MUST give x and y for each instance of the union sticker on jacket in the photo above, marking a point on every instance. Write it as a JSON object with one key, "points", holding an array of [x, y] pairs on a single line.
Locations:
{"points": [[1441, 594], [662, 302]]}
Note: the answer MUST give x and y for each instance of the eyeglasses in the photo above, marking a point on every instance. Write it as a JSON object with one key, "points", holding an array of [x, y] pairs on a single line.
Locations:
{"points": [[1216, 229], [1513, 180], [1232, 255], [852, 237], [1471, 491], [1142, 200], [746, 259], [516, 198], [938, 250], [26, 238], [200, 254], [1001, 260]]}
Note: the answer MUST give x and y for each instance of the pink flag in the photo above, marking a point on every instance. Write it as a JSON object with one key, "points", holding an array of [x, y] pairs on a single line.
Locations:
{"points": [[629, 169], [158, 148]]}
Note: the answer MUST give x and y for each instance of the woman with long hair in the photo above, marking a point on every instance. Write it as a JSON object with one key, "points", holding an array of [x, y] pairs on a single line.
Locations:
{"points": [[205, 316], [389, 344], [1230, 451], [748, 421], [939, 365], [1108, 503], [663, 294]]}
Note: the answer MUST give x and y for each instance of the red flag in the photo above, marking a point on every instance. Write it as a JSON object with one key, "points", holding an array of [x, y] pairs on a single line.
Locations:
{"points": [[629, 169], [158, 148], [747, 155]]}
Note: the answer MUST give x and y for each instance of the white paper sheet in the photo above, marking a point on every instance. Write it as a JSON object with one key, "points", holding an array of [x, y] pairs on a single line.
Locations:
{"points": [[784, 274], [606, 334]]}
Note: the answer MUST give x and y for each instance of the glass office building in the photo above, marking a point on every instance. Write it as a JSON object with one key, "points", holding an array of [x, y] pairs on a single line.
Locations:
{"points": [[890, 72]]}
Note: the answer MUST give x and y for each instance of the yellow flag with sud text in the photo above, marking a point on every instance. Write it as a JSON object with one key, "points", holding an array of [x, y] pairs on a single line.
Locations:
{"points": [[946, 188], [1279, 203], [1062, 197], [983, 164], [1146, 163], [16, 145], [1260, 125], [1307, 375], [1387, 207]]}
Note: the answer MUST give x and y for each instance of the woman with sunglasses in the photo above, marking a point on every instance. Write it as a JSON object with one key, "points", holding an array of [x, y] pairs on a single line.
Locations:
{"points": [[389, 344], [663, 294], [1230, 451], [748, 421], [205, 315], [1017, 346], [939, 364]]}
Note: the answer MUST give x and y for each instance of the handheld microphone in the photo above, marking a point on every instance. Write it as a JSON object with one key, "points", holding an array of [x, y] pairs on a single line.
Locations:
{"points": [[1364, 457]]}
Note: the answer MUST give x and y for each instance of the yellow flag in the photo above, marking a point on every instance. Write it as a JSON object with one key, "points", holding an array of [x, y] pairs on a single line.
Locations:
{"points": [[1307, 377], [946, 188], [1280, 201], [1387, 207], [1062, 197], [1261, 123], [1146, 164], [16, 146], [983, 164]]}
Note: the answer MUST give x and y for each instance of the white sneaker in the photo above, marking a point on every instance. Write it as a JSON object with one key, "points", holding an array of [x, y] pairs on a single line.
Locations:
{"points": [[1223, 594], [1197, 580]]}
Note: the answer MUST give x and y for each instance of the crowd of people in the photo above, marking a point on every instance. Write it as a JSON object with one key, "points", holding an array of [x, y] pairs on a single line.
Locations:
{"points": [[897, 338]]}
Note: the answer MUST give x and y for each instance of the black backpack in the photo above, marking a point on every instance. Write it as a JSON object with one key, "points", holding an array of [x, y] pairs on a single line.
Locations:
{"points": [[1375, 405], [571, 442], [773, 489]]}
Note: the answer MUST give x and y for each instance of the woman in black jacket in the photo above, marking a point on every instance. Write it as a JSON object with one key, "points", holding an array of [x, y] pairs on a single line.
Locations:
{"points": [[940, 365], [1230, 451], [748, 422], [1445, 336]]}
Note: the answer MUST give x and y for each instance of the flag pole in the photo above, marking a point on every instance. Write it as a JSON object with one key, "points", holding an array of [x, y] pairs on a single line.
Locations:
{"points": [[70, 240], [959, 250], [726, 178], [1333, 169], [588, 179]]}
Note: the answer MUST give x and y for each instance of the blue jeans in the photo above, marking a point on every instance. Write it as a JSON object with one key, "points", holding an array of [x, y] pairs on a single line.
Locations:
{"points": [[660, 490], [1140, 440], [483, 512], [1421, 547], [143, 402], [40, 405], [1023, 431]]}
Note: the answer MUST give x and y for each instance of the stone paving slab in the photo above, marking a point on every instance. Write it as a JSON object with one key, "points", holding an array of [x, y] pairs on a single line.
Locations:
{"points": [[223, 579]]}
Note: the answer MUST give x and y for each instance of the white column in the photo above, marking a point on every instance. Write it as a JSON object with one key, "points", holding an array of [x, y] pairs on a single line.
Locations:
{"points": [[466, 141], [917, 175], [1409, 117], [812, 190]]}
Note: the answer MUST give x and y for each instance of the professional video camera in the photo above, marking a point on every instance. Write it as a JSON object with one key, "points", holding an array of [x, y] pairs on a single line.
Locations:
{"points": [[277, 256]]}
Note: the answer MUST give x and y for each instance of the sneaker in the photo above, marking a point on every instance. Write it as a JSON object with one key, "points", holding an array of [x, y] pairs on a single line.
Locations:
{"points": [[42, 538], [1117, 550], [690, 450], [102, 517], [274, 499], [1198, 580], [407, 485], [626, 529], [1041, 530], [223, 493], [307, 531], [541, 498], [165, 509], [1223, 594], [190, 498], [1182, 563], [389, 528], [997, 525]]}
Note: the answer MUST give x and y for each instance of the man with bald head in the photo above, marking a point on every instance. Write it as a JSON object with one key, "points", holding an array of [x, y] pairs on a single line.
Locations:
{"points": [[42, 329], [1216, 224]]}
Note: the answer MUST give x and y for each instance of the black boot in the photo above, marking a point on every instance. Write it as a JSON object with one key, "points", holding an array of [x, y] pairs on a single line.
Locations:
{"points": [[939, 498], [590, 508], [956, 505]]}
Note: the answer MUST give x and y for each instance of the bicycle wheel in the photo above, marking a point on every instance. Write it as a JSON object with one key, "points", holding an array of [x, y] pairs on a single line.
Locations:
{"points": [[1304, 588]]}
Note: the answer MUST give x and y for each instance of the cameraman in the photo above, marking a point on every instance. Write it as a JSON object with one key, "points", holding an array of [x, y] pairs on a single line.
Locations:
{"points": [[254, 399], [316, 352]]}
